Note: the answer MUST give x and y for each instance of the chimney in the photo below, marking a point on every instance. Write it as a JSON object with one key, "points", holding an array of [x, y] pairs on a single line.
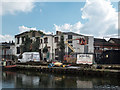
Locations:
{"points": [[58, 32]]}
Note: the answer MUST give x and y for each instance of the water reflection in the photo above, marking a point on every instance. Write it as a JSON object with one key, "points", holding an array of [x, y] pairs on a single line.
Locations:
{"points": [[24, 79]]}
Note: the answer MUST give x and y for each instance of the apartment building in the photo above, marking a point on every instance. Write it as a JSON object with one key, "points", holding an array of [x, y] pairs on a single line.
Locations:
{"points": [[7, 50], [52, 41], [101, 45], [20, 38]]}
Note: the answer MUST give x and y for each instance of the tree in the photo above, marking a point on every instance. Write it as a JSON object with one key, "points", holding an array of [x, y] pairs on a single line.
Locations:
{"points": [[26, 46], [62, 48], [35, 45], [40, 32], [45, 49]]}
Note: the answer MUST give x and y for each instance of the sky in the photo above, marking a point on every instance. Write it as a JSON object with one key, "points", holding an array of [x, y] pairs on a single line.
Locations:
{"points": [[98, 18]]}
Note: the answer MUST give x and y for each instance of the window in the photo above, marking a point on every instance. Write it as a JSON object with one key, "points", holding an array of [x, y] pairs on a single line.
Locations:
{"points": [[69, 37], [46, 40], [56, 51], [56, 58], [87, 39], [97, 48], [18, 40], [23, 39], [85, 49], [56, 39], [18, 50], [40, 40]]}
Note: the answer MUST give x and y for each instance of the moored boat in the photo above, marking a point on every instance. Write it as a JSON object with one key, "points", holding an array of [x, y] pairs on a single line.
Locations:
{"points": [[9, 64]]}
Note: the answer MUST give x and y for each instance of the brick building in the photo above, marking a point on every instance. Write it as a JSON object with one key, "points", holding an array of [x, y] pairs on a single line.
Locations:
{"points": [[101, 45]]}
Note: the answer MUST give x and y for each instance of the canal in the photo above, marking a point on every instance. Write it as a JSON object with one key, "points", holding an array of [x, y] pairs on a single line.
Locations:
{"points": [[26, 79]]}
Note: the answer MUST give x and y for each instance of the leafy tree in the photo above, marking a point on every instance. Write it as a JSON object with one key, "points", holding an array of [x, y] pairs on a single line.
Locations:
{"points": [[35, 45], [26, 46], [62, 48], [14, 58], [40, 32], [45, 49]]}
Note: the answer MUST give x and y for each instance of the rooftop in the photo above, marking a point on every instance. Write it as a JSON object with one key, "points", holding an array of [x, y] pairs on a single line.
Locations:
{"points": [[115, 40], [40, 32], [6, 44], [99, 40], [71, 33]]}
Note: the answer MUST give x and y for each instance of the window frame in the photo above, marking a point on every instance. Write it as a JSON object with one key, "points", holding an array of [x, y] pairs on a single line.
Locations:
{"points": [[46, 41], [56, 39]]}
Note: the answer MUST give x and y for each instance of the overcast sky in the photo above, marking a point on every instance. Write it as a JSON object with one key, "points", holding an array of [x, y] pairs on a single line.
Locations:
{"points": [[92, 17]]}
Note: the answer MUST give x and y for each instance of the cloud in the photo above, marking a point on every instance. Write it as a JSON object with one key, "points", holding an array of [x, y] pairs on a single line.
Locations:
{"points": [[7, 6], [102, 19], [24, 29], [6, 38], [46, 32], [68, 27]]}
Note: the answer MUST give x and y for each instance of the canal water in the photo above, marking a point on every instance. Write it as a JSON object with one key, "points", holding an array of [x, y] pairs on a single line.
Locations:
{"points": [[26, 79]]}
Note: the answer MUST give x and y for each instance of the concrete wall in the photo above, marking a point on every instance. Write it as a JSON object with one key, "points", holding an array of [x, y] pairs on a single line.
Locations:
{"points": [[90, 44]]}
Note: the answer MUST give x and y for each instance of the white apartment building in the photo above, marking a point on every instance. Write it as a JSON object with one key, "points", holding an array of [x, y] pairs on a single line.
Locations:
{"points": [[20, 38], [52, 43], [6, 50]]}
